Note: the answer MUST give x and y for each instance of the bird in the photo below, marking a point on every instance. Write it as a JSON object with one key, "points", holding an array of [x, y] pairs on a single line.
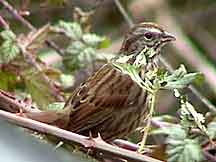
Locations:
{"points": [[109, 102]]}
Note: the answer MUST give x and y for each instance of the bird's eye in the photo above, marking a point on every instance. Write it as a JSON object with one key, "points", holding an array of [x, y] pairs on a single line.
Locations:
{"points": [[148, 36]]}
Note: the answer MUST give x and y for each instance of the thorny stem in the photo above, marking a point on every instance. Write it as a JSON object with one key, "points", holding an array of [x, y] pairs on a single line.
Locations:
{"points": [[27, 55], [17, 15], [148, 122], [86, 142], [26, 23]]}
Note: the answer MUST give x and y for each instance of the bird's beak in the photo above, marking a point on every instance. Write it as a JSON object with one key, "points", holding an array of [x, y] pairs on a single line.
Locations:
{"points": [[167, 37]]}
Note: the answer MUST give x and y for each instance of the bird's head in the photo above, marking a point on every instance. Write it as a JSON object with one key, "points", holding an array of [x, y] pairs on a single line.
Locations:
{"points": [[146, 39]]}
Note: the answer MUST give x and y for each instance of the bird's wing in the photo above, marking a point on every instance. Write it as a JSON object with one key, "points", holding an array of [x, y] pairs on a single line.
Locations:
{"points": [[98, 99]]}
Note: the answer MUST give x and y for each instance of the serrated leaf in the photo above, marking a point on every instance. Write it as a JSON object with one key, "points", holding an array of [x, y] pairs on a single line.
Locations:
{"points": [[191, 118], [132, 71], [181, 81], [75, 48], [92, 39], [175, 150], [78, 55], [8, 35], [178, 73], [71, 63], [8, 51], [70, 29], [188, 150], [173, 132], [87, 55]]}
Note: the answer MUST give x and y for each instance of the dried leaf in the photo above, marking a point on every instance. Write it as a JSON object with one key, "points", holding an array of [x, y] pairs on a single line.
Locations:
{"points": [[39, 89]]}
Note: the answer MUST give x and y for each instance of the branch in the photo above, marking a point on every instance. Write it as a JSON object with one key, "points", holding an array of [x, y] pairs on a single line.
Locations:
{"points": [[127, 18], [17, 16], [4, 24], [12, 104], [24, 45], [96, 143], [169, 67]]}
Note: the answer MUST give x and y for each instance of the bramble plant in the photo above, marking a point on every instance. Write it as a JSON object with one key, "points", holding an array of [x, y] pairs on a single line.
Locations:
{"points": [[24, 70], [181, 143]]}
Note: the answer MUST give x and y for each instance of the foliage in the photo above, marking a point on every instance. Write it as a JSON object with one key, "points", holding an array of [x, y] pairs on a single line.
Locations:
{"points": [[81, 49], [42, 84], [45, 82], [181, 146], [9, 49]]}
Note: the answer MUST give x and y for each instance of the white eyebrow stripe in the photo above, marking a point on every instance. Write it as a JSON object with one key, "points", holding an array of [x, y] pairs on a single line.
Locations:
{"points": [[154, 30]]}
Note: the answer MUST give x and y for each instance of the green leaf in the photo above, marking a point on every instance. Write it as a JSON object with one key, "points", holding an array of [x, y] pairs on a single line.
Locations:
{"points": [[179, 73], [39, 89], [7, 80], [199, 79], [190, 118], [92, 39], [56, 106], [78, 55], [172, 132], [133, 72], [105, 43], [87, 55], [8, 35], [180, 78], [71, 63], [8, 51], [75, 48], [188, 150], [67, 80], [179, 147], [70, 29]]}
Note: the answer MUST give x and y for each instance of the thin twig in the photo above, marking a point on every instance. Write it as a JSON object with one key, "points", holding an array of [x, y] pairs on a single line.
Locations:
{"points": [[127, 18], [96, 143], [10, 103], [31, 60], [17, 16], [23, 47], [4, 24], [148, 123], [168, 65]]}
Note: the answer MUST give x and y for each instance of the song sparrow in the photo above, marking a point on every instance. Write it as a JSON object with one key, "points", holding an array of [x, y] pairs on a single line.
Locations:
{"points": [[110, 102]]}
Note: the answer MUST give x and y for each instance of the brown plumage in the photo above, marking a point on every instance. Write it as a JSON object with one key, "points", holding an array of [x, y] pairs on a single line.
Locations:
{"points": [[109, 102]]}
